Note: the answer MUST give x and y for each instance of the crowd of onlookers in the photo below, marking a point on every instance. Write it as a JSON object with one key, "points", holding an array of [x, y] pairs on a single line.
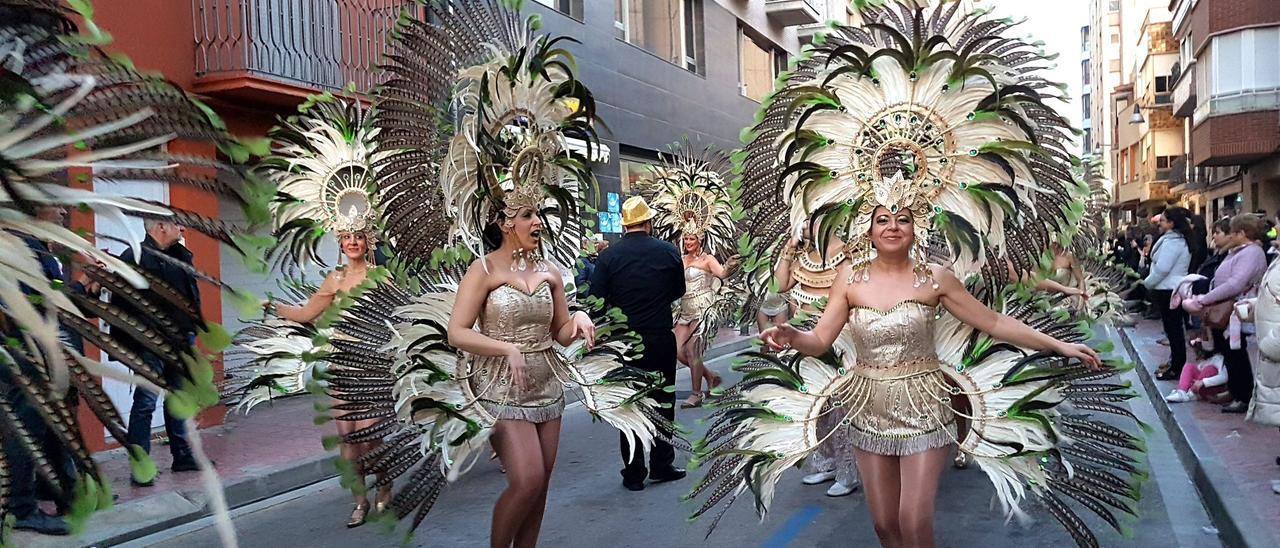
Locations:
{"points": [[1202, 281]]}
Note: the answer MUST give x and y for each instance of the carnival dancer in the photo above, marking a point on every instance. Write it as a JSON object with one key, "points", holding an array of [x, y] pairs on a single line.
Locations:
{"points": [[919, 123], [693, 203], [808, 274], [442, 363]]}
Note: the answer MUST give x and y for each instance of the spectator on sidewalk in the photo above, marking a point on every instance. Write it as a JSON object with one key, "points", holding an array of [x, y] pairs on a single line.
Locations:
{"points": [[1170, 261], [161, 249], [1265, 406], [1235, 280], [1202, 379]]}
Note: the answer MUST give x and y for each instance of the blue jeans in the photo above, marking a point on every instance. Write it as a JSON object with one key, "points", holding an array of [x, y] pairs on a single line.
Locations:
{"points": [[144, 405], [22, 469]]}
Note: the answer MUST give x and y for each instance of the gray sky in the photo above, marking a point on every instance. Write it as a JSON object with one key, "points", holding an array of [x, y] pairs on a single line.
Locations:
{"points": [[1057, 23]]}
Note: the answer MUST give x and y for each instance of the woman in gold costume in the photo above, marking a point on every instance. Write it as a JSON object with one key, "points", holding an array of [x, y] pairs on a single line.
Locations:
{"points": [[901, 422], [923, 129]]}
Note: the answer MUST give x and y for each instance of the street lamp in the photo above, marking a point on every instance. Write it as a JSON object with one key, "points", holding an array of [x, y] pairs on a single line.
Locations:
{"points": [[1136, 117]]}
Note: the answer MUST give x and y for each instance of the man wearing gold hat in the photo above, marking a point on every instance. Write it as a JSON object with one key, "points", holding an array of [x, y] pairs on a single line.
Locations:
{"points": [[642, 276]]}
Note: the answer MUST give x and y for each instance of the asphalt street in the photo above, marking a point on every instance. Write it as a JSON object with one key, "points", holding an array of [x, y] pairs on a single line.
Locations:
{"points": [[588, 507]]}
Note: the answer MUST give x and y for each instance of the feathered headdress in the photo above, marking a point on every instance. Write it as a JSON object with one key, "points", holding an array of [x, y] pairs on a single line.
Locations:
{"points": [[692, 195], [933, 112], [516, 106], [324, 165]]}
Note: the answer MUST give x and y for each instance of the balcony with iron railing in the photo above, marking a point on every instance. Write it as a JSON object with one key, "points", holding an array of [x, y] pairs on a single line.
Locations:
{"points": [[276, 52]]}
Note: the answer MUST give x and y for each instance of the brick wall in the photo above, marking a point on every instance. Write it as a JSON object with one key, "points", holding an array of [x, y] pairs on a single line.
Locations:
{"points": [[1213, 16], [1236, 138]]}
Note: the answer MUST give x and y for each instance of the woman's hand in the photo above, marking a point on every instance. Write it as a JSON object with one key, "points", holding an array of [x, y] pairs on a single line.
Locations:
{"points": [[1080, 352], [779, 338], [515, 359], [733, 262], [584, 328], [1196, 386]]}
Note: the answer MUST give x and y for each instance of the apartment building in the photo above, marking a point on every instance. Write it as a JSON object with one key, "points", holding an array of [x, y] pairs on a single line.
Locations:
{"points": [[1147, 138], [1227, 96]]}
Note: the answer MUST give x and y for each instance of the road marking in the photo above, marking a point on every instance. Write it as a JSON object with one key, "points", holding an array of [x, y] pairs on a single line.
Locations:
{"points": [[796, 524]]}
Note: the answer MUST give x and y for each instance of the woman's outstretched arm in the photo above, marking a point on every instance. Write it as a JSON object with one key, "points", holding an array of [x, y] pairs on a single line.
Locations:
{"points": [[971, 311]]}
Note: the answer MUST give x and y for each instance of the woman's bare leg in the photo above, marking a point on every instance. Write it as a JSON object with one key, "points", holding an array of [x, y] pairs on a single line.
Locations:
{"points": [[549, 439], [351, 452], [921, 473], [881, 480], [684, 346], [520, 452]]}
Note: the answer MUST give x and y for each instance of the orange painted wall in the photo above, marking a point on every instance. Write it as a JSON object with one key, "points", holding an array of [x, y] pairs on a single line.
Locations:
{"points": [[158, 35]]}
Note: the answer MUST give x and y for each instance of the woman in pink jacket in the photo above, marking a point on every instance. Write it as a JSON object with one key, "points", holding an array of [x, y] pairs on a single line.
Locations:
{"points": [[1237, 278]]}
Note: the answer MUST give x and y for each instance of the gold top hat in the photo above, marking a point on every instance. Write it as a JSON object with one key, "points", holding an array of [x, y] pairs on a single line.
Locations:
{"points": [[635, 211]]}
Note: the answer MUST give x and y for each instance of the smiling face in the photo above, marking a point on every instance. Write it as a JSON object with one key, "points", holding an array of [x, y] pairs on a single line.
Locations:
{"points": [[691, 244], [892, 232], [354, 245], [524, 230]]}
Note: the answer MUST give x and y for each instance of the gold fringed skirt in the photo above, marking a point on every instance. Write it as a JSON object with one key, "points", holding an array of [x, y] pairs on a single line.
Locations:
{"points": [[543, 399], [900, 410]]}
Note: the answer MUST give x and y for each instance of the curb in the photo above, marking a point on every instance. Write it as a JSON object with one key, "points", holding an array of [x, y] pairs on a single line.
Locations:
{"points": [[274, 481], [1236, 522], [245, 491]]}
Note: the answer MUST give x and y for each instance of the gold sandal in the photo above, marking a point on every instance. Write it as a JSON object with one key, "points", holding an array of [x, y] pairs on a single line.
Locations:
{"points": [[383, 503], [695, 400], [359, 514]]}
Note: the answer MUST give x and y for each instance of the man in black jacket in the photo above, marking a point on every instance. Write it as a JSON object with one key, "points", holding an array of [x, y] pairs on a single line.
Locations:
{"points": [[160, 251], [642, 276]]}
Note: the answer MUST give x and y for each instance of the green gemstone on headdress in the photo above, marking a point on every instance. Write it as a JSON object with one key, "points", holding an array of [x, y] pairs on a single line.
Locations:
{"points": [[804, 389], [973, 152], [912, 75], [937, 209], [937, 182], [959, 367], [964, 186], [893, 208], [972, 115]]}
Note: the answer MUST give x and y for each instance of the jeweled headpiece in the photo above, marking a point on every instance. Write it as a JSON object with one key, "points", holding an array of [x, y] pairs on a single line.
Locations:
{"points": [[323, 165], [941, 115], [692, 196], [520, 109]]}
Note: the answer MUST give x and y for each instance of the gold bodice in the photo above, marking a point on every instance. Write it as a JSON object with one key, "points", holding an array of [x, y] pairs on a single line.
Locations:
{"points": [[696, 280], [897, 339], [511, 315]]}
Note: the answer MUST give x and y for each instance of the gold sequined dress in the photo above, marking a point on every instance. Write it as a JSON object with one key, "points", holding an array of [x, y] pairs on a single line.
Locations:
{"points": [[898, 399], [698, 296], [512, 315]]}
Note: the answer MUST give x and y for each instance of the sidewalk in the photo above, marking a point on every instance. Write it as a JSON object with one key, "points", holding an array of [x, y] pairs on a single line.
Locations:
{"points": [[273, 450], [1232, 461]]}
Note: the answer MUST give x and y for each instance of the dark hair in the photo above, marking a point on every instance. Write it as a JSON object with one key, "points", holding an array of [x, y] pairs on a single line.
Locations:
{"points": [[492, 235], [1222, 225], [1180, 217]]}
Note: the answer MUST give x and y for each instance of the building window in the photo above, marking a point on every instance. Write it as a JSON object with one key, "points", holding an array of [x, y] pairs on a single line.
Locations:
{"points": [[1162, 84], [1113, 6], [1115, 38], [758, 65], [1086, 106], [1084, 69], [1165, 162], [572, 8], [633, 170], [670, 29], [1088, 141]]}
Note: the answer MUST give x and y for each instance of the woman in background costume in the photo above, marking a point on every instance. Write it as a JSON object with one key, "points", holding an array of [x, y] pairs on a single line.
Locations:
{"points": [[694, 204]]}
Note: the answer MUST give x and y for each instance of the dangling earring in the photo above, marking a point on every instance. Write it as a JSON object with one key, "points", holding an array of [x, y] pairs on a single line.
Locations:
{"points": [[860, 261], [518, 262]]}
